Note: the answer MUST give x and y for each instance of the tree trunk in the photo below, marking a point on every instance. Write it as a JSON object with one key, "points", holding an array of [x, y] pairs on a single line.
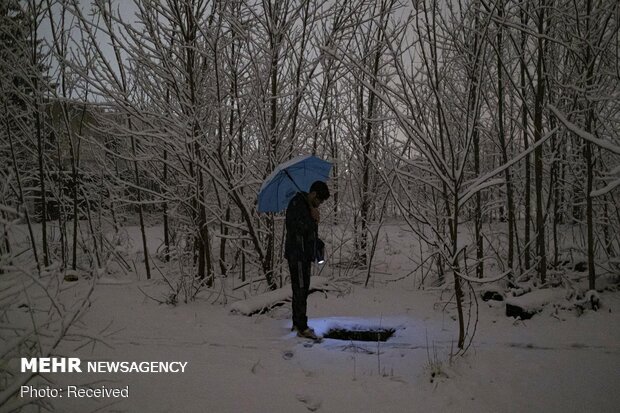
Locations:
{"points": [[502, 139], [588, 153], [527, 165], [458, 288], [40, 156], [165, 211], [538, 152], [147, 265], [589, 210], [473, 117]]}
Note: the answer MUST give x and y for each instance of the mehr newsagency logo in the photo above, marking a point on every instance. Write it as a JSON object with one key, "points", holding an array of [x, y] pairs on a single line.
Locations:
{"points": [[75, 365], [38, 365]]}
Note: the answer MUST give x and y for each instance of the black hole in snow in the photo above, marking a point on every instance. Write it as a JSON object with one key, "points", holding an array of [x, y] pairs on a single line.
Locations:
{"points": [[379, 334]]}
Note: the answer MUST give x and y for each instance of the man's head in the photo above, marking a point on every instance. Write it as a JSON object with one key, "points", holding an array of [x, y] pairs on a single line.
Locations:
{"points": [[319, 192]]}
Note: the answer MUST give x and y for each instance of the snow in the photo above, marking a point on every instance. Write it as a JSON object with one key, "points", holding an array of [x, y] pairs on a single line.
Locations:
{"points": [[237, 363], [558, 361], [536, 300]]}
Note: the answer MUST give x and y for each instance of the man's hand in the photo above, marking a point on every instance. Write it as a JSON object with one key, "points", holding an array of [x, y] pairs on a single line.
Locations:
{"points": [[315, 214]]}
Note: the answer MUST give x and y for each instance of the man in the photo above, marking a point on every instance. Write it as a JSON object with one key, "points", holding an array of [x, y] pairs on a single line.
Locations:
{"points": [[302, 225]]}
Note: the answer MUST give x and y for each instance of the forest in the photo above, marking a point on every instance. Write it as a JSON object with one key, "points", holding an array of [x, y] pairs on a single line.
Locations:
{"points": [[487, 130]]}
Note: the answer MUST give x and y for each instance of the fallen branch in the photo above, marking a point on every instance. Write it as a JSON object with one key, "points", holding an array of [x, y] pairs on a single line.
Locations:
{"points": [[260, 304]]}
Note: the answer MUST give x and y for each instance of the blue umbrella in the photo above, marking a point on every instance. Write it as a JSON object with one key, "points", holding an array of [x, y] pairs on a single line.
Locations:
{"points": [[288, 178]]}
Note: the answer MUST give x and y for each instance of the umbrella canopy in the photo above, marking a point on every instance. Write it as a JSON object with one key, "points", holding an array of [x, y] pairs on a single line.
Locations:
{"points": [[288, 178]]}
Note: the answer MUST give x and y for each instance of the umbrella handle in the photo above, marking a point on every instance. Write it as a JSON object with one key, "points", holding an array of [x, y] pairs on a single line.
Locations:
{"points": [[297, 186], [292, 180]]}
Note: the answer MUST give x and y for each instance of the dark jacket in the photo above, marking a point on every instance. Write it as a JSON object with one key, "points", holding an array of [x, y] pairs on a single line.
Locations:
{"points": [[301, 230]]}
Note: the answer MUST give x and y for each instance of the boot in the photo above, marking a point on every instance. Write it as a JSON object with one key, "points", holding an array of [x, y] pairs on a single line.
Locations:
{"points": [[307, 333]]}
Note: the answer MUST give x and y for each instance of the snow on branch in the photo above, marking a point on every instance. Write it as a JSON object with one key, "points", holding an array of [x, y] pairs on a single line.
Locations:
{"points": [[484, 181], [602, 143], [583, 134], [608, 188]]}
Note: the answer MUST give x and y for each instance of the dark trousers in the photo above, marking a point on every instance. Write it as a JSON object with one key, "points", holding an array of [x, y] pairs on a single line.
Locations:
{"points": [[300, 281]]}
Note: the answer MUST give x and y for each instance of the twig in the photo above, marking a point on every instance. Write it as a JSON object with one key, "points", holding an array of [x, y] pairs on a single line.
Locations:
{"points": [[152, 298]]}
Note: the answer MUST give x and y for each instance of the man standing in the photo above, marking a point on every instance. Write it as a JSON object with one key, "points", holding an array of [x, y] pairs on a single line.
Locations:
{"points": [[302, 225]]}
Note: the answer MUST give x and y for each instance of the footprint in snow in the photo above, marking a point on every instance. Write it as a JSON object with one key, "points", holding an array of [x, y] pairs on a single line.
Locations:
{"points": [[311, 403]]}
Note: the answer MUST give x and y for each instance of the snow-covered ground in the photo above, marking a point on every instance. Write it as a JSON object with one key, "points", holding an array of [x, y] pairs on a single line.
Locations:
{"points": [[558, 361]]}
